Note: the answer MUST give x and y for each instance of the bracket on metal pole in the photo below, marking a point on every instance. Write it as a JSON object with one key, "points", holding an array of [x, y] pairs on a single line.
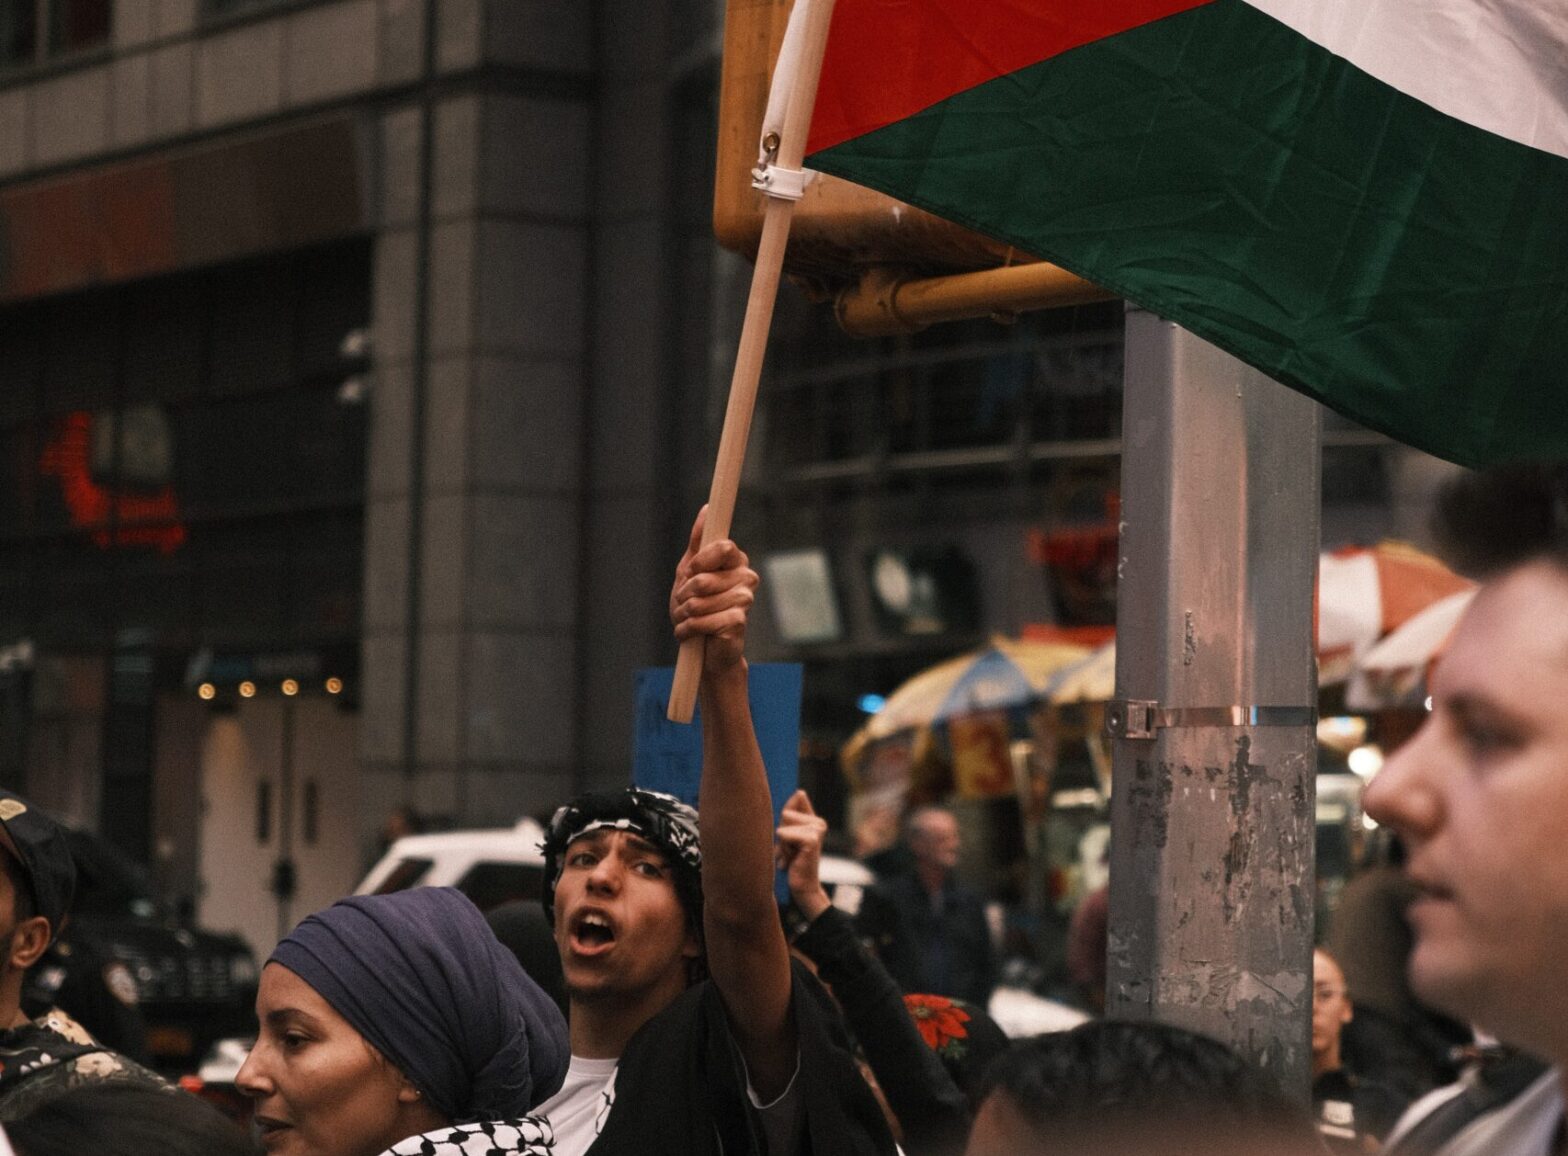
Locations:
{"points": [[1139, 718], [1131, 718]]}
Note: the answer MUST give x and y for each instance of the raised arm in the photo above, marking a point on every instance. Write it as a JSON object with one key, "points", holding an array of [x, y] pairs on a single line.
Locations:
{"points": [[748, 959], [928, 1104]]}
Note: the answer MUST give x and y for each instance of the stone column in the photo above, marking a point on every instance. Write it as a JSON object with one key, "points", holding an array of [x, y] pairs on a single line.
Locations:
{"points": [[470, 654]]}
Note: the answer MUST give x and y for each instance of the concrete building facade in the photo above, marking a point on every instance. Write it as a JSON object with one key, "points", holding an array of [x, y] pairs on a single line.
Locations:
{"points": [[497, 180], [382, 344]]}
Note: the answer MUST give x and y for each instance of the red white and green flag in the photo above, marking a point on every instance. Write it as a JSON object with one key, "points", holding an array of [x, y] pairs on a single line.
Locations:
{"points": [[1366, 199]]}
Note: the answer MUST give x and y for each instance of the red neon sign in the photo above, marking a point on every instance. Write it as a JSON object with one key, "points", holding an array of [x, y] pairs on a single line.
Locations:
{"points": [[139, 519]]}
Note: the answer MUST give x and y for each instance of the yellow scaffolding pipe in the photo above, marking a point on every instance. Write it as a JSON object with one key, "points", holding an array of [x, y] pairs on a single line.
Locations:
{"points": [[886, 302]]}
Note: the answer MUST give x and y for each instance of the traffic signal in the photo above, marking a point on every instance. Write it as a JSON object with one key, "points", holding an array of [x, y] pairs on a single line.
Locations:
{"points": [[887, 265]]}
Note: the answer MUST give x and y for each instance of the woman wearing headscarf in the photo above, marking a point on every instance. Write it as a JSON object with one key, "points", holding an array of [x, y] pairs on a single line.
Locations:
{"points": [[399, 1024]]}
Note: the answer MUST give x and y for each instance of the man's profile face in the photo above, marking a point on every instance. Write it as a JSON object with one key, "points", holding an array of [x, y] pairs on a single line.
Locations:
{"points": [[1480, 796]]}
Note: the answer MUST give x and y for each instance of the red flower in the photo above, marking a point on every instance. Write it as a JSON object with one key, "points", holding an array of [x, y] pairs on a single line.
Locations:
{"points": [[940, 1021]]}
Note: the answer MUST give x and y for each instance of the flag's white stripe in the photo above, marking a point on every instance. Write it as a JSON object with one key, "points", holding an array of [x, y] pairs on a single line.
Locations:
{"points": [[1501, 65]]}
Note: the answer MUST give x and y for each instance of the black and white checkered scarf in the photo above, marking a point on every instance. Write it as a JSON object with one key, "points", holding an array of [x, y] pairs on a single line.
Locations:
{"points": [[663, 820], [529, 1136]]}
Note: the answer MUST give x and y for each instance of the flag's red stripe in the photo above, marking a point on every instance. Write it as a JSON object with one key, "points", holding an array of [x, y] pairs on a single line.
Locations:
{"points": [[888, 59]]}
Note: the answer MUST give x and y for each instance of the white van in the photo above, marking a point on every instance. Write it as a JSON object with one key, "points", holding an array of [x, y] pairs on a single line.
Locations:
{"points": [[494, 866]]}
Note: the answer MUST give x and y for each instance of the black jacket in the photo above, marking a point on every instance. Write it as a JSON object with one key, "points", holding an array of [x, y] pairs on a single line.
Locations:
{"points": [[939, 948], [929, 1106], [680, 1088]]}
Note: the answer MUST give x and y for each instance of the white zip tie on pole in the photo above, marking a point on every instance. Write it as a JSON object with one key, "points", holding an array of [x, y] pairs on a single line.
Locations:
{"points": [[786, 184], [767, 177]]}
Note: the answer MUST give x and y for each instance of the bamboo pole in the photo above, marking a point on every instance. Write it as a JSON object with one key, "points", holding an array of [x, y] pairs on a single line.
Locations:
{"points": [[754, 334]]}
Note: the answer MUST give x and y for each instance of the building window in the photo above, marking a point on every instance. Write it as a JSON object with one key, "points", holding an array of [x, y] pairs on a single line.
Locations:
{"points": [[180, 455], [217, 9], [71, 25], [77, 25], [18, 32]]}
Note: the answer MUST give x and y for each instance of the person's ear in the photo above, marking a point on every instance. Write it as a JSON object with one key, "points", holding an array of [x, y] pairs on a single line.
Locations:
{"points": [[1349, 1012], [30, 941], [407, 1093], [692, 948]]}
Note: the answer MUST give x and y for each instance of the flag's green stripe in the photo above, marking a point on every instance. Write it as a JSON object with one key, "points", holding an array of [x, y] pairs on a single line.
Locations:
{"points": [[1405, 268]]}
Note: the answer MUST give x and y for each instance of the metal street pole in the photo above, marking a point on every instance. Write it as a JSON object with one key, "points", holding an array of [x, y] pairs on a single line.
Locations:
{"points": [[1212, 811]]}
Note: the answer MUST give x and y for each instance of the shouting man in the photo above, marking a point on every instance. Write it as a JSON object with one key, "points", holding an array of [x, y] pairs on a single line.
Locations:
{"points": [[690, 1032]]}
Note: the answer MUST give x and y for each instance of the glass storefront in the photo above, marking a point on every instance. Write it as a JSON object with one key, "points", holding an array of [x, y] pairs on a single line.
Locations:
{"points": [[182, 466]]}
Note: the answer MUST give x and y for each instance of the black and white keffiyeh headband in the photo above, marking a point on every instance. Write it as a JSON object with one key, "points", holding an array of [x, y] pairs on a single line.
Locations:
{"points": [[663, 820]]}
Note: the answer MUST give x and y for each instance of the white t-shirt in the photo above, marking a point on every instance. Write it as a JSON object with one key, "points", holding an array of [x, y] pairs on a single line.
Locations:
{"points": [[1525, 1126], [578, 1111]]}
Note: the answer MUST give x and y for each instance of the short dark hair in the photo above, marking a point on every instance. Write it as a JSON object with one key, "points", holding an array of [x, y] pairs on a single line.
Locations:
{"points": [[1107, 1079], [24, 906], [1493, 520], [128, 1119]]}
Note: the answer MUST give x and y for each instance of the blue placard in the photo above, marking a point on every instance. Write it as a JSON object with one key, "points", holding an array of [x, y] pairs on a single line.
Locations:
{"points": [[667, 756]]}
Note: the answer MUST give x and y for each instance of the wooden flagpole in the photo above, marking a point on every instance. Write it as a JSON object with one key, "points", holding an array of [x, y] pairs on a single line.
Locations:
{"points": [[754, 332]]}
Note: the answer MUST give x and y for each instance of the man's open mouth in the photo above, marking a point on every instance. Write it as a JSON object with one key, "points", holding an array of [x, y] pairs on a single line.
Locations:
{"points": [[592, 933]]}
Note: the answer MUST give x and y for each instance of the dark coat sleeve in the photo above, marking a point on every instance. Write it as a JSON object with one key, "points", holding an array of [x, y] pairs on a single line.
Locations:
{"points": [[680, 1088], [928, 1104]]}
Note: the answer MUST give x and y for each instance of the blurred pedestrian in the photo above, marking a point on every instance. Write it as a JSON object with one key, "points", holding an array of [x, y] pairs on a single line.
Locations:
{"points": [[1354, 1113], [1479, 796], [401, 822], [1393, 1034], [42, 1057], [928, 1109], [1133, 1089], [691, 1033], [524, 929], [93, 987], [930, 930], [122, 1119], [399, 1023], [1088, 939]]}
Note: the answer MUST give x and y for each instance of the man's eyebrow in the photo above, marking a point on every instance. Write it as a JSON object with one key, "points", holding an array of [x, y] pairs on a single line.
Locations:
{"points": [[599, 834], [646, 847], [1467, 706], [1467, 703]]}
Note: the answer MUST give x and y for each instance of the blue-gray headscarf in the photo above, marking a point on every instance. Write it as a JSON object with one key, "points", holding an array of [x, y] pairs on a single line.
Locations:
{"points": [[422, 977]]}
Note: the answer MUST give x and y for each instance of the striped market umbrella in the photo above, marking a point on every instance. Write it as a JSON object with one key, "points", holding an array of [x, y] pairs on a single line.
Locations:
{"points": [[1394, 672], [1364, 593], [1006, 675], [969, 704]]}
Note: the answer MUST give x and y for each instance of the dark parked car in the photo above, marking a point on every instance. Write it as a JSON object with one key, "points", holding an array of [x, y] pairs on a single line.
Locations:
{"points": [[190, 987]]}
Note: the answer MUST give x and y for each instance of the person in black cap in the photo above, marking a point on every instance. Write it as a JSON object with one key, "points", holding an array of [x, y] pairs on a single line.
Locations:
{"points": [[43, 1057]]}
